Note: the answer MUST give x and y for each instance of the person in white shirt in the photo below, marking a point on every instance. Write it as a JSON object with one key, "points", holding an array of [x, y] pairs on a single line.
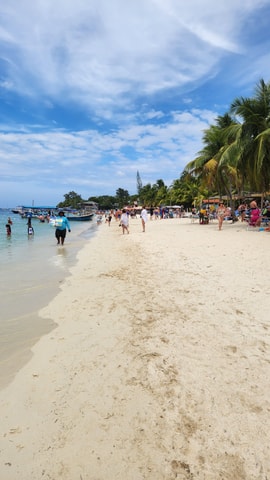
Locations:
{"points": [[124, 221], [144, 217]]}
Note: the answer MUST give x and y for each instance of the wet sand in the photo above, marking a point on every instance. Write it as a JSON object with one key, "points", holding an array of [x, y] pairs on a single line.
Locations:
{"points": [[159, 366], [32, 273]]}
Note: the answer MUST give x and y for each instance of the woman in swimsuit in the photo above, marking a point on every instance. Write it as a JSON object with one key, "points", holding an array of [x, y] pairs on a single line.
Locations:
{"points": [[255, 214], [221, 212]]}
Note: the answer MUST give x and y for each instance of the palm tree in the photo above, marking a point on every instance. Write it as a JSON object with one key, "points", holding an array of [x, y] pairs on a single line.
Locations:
{"points": [[214, 166], [185, 189], [147, 195], [253, 137]]}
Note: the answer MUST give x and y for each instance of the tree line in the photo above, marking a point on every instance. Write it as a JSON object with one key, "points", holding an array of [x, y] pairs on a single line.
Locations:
{"points": [[234, 161]]}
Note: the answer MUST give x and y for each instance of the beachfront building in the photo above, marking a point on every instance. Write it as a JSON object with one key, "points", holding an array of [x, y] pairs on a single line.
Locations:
{"points": [[89, 206]]}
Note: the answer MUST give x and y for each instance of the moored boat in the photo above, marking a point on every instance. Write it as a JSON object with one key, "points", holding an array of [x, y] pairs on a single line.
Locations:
{"points": [[78, 217], [17, 210], [41, 213]]}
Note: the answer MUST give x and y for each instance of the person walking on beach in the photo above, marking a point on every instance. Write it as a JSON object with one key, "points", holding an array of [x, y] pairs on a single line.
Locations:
{"points": [[124, 221], [144, 218], [109, 219], [62, 225], [221, 212]]}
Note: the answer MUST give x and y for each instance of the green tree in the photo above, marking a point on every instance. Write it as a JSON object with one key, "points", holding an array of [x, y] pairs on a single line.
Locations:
{"points": [[122, 197], [185, 189], [139, 183], [147, 195], [162, 191], [216, 165], [72, 200], [105, 202], [253, 137], [155, 194]]}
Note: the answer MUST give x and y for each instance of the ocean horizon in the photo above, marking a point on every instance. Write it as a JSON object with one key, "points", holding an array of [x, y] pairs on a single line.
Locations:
{"points": [[33, 268]]}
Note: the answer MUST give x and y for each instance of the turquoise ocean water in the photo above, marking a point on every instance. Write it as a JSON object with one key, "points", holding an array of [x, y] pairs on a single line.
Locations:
{"points": [[32, 270]]}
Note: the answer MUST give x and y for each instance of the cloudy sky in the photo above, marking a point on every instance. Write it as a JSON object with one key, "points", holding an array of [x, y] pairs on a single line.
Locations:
{"points": [[93, 91]]}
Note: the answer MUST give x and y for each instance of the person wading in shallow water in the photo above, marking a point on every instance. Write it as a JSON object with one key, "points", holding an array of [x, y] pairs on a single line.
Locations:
{"points": [[30, 229], [62, 225]]}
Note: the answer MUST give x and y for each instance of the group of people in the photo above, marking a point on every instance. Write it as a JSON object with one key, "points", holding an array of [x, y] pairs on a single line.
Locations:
{"points": [[124, 220], [61, 224], [30, 229], [221, 213], [252, 213]]}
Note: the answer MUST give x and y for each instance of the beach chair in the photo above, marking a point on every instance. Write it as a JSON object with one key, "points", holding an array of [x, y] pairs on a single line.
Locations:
{"points": [[194, 217]]}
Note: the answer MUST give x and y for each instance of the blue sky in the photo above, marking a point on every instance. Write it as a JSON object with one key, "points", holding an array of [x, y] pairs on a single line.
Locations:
{"points": [[92, 91]]}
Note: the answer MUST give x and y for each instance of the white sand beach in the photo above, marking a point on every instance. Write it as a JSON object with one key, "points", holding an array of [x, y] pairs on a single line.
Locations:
{"points": [[159, 367]]}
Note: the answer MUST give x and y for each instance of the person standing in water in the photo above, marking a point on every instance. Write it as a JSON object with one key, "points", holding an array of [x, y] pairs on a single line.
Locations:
{"points": [[62, 225], [30, 229]]}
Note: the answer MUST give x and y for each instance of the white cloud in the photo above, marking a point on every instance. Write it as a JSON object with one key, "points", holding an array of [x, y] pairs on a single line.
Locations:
{"points": [[100, 52], [55, 157], [127, 67]]}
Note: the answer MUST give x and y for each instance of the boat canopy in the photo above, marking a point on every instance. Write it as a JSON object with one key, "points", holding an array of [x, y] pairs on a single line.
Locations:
{"points": [[42, 207]]}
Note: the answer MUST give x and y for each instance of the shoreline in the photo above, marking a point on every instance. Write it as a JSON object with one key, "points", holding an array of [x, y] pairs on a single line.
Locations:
{"points": [[33, 275], [158, 366]]}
